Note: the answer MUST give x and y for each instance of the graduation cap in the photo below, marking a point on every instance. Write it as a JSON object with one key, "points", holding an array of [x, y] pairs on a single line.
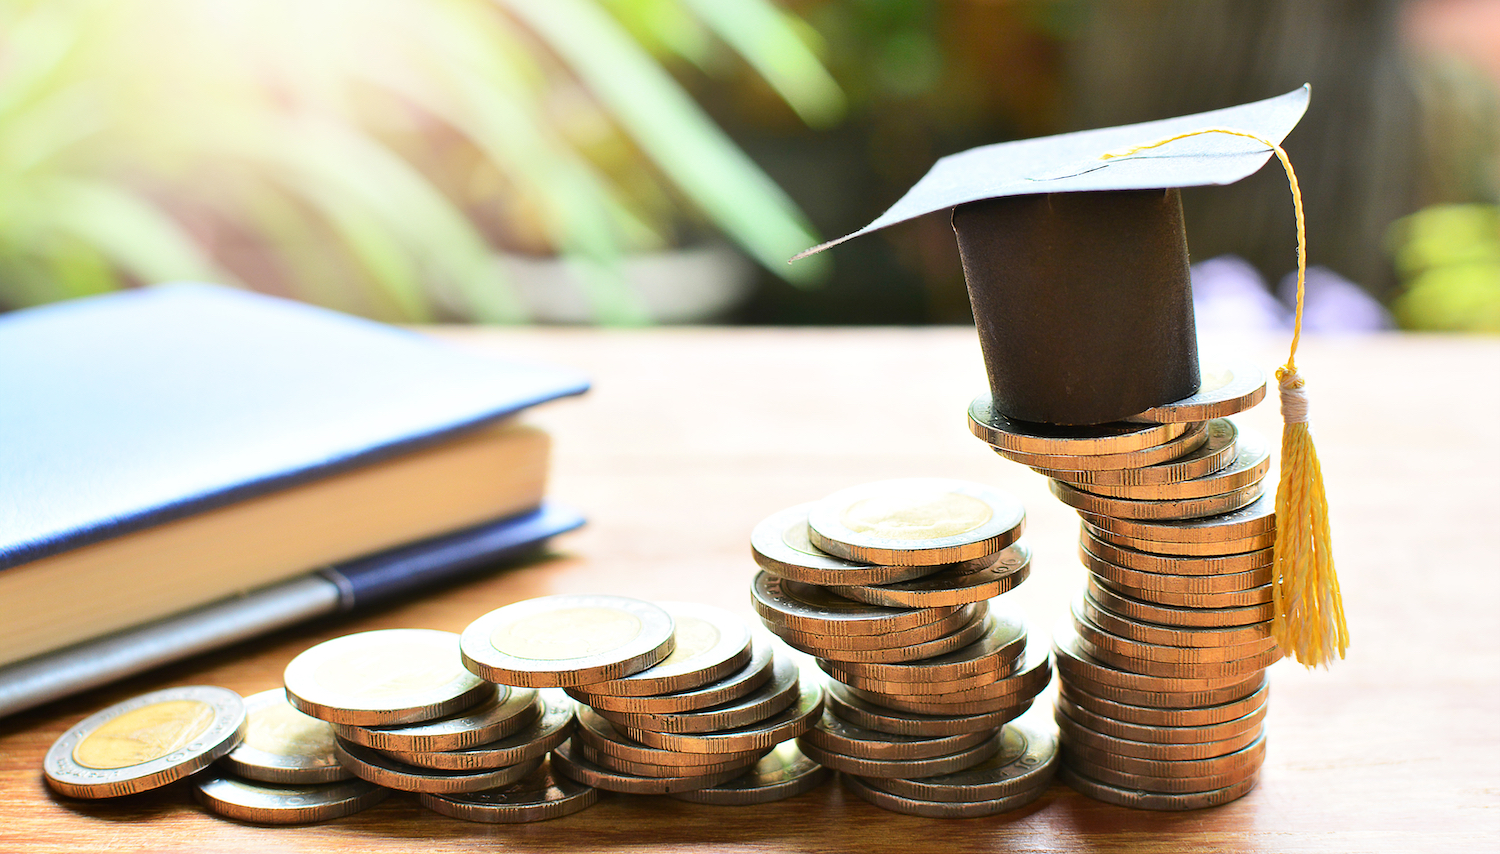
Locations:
{"points": [[1076, 260]]}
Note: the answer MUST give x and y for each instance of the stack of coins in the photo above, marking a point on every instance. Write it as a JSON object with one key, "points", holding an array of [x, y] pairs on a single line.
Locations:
{"points": [[889, 586], [1162, 667], [679, 697]]}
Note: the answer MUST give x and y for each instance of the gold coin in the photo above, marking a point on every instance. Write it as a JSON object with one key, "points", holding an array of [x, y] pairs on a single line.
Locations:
{"points": [[1230, 546], [1074, 732], [505, 711], [780, 774], [1153, 633], [939, 809], [567, 640], [774, 696], [1163, 734], [1224, 653], [1076, 660], [1180, 509], [1092, 465], [145, 742], [1225, 390], [836, 735], [1152, 801], [268, 803], [1251, 461], [1127, 579], [1230, 763], [916, 522], [928, 767], [384, 677], [1214, 449], [1253, 520], [760, 735], [571, 763], [994, 653], [1015, 690], [1217, 600], [809, 609], [781, 546], [601, 735], [1159, 785], [610, 762], [1176, 615], [709, 644], [753, 674], [1059, 440], [1025, 761], [870, 714], [1239, 668], [949, 586], [952, 621], [282, 745], [548, 727], [1140, 561], [539, 796], [370, 764], [965, 635], [1186, 716]]}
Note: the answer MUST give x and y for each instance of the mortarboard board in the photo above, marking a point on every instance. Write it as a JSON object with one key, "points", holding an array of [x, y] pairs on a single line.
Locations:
{"points": [[1076, 259]]}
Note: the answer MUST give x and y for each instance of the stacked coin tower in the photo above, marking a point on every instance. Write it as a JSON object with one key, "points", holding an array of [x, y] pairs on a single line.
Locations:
{"points": [[1162, 668], [889, 586]]}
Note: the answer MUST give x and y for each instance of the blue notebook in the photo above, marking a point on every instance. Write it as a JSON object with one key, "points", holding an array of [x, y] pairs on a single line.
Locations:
{"points": [[121, 412]]}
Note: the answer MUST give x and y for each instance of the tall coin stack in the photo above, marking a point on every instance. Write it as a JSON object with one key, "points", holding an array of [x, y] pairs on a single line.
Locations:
{"points": [[1162, 668], [889, 586]]}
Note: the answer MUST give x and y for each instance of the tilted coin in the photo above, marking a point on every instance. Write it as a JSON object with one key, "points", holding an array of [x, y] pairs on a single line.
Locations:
{"points": [[1075, 661], [1013, 691], [602, 735], [370, 764], [566, 640], [916, 522], [810, 609], [1076, 733], [1025, 761], [539, 796], [781, 546], [950, 586], [269, 803], [1195, 437], [1230, 763], [834, 639], [868, 713], [1186, 716], [962, 637], [769, 699], [837, 735], [1218, 599], [282, 745], [1096, 636], [753, 674], [760, 735], [1158, 785], [1143, 632], [611, 762], [1163, 734], [1251, 461], [1215, 451], [504, 711], [939, 809], [1151, 801], [1178, 509], [384, 677], [1226, 389], [923, 767], [994, 652], [783, 773], [1176, 615], [1031, 438], [570, 763], [1222, 547], [1126, 578], [544, 731], [1253, 520], [1140, 561], [145, 742], [1239, 668], [709, 644]]}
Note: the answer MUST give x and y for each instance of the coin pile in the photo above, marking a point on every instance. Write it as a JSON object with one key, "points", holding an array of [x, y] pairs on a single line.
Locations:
{"points": [[1162, 668], [889, 587]]}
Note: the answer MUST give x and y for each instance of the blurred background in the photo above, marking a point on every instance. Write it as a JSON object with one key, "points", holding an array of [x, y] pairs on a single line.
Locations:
{"points": [[657, 161]]}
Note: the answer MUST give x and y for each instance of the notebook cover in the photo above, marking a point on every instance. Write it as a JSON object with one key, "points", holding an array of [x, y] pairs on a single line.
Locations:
{"points": [[127, 410]]}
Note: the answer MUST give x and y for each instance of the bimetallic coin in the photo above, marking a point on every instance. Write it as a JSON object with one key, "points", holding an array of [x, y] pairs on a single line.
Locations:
{"points": [[266, 803], [145, 742], [544, 731], [753, 674], [761, 735], [381, 678], [774, 696], [1227, 546], [1251, 461], [1229, 763], [1253, 520], [1095, 636], [1078, 441], [1195, 437], [567, 640], [939, 809], [1127, 579], [916, 522], [1163, 734], [1175, 615], [1152, 801], [807, 608], [783, 773], [1158, 785], [1240, 668], [600, 734], [609, 761], [965, 635], [1013, 691], [872, 715], [927, 767], [709, 644], [949, 586], [1216, 600], [504, 711], [1076, 733], [834, 640], [1225, 390], [570, 763], [539, 796], [1216, 451], [994, 653], [1025, 761], [837, 735], [781, 546], [1180, 509], [1186, 716], [370, 764], [1077, 662], [282, 745], [1140, 561], [1153, 633]]}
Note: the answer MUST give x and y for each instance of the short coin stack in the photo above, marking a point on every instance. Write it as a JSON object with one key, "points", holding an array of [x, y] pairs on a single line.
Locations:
{"points": [[888, 586], [1163, 688]]}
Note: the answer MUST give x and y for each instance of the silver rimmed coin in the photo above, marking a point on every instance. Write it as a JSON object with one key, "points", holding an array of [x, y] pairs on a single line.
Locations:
{"points": [[609, 761], [753, 674], [1025, 761], [1184, 716], [572, 764], [769, 699], [370, 764], [761, 735], [834, 639], [1075, 733], [837, 735], [938, 809], [1080, 669], [145, 742], [1253, 520], [948, 586], [1214, 453], [1140, 561], [966, 634], [805, 608], [505, 711], [1239, 762], [1125, 578], [1163, 734], [1179, 509], [268, 803], [1252, 459], [781, 546], [539, 796], [544, 731], [930, 766], [916, 522], [1077, 441], [783, 773], [1143, 632], [1225, 390], [567, 640], [709, 644], [381, 678], [1197, 616], [1227, 546], [601, 735], [282, 745], [868, 713], [1195, 437], [994, 652], [1154, 801]]}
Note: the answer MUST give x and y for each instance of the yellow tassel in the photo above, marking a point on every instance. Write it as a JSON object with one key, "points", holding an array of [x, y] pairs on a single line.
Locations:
{"points": [[1309, 620]]}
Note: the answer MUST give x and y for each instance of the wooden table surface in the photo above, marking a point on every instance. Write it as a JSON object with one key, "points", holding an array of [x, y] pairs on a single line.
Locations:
{"points": [[692, 436]]}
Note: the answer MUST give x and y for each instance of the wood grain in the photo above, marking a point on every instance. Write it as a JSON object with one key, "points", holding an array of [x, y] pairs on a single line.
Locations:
{"points": [[692, 436]]}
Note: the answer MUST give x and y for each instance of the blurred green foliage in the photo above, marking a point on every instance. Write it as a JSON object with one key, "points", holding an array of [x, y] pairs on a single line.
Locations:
{"points": [[376, 155], [1449, 256]]}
